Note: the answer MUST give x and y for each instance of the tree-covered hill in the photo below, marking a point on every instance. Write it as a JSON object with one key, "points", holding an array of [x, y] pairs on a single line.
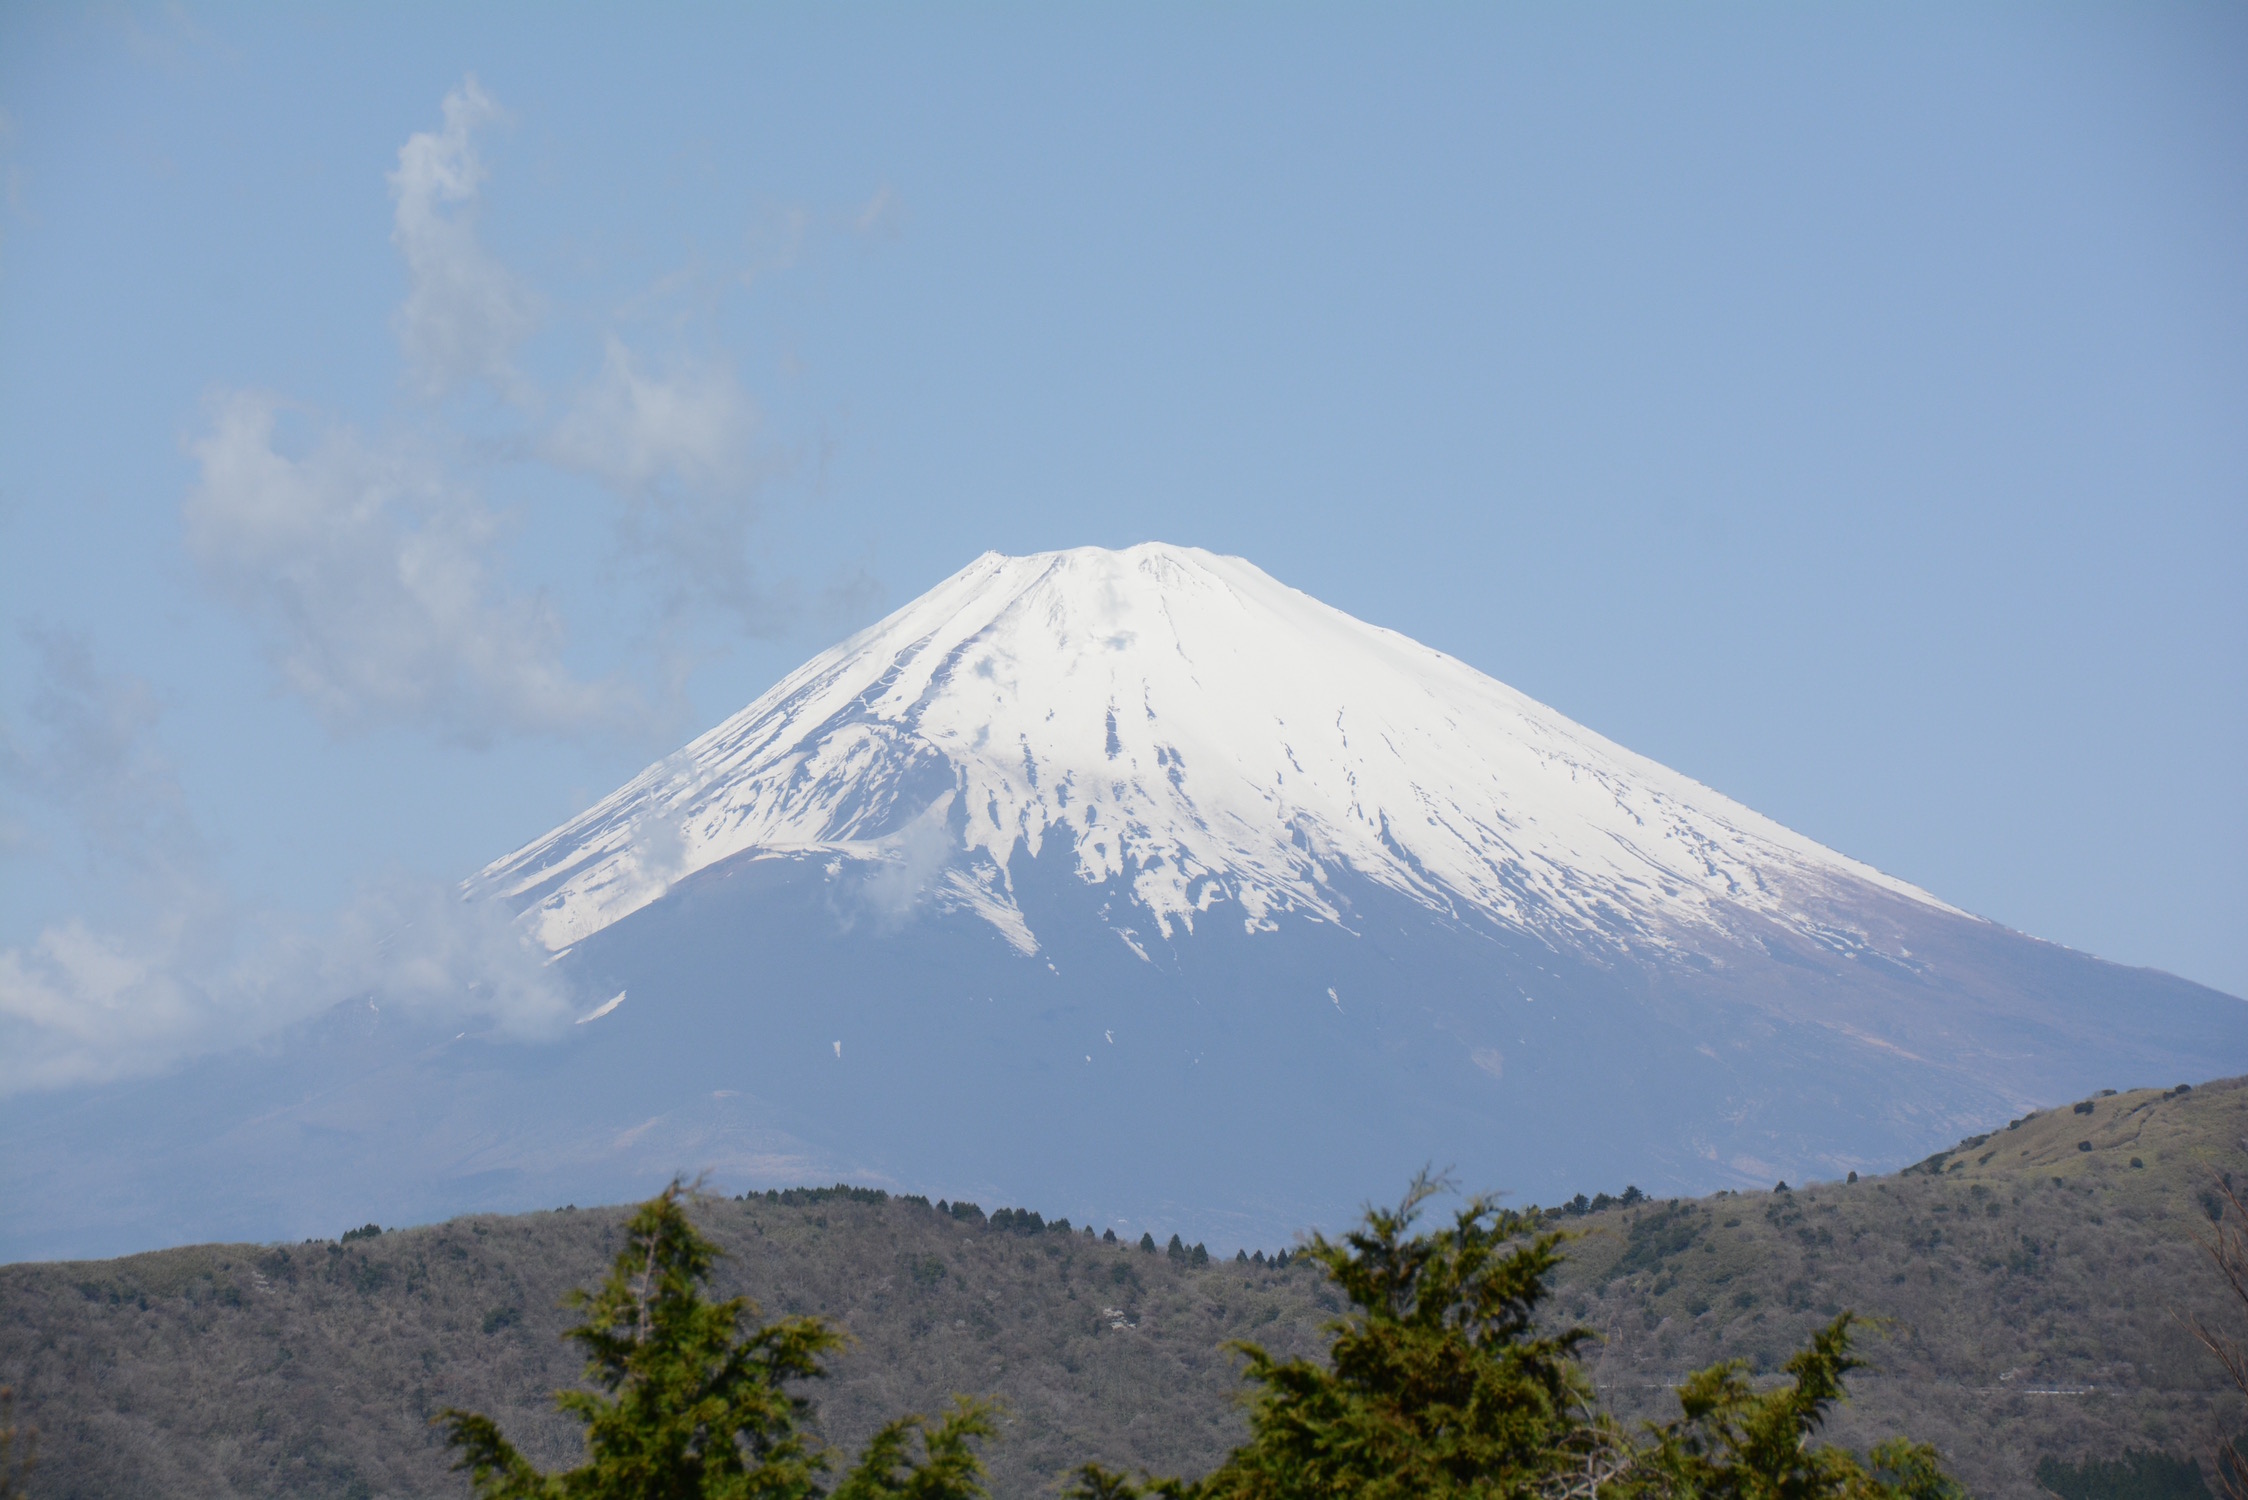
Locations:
{"points": [[2032, 1280]]}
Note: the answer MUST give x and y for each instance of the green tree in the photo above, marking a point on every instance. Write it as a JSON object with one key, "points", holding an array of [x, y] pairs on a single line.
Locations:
{"points": [[693, 1406], [1437, 1383], [1441, 1383], [1733, 1443]]}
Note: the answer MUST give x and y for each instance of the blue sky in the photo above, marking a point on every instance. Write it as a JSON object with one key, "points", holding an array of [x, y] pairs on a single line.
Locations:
{"points": [[1842, 404]]}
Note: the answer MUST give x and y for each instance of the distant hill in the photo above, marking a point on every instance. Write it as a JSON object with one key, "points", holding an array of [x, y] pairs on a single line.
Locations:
{"points": [[2032, 1278]]}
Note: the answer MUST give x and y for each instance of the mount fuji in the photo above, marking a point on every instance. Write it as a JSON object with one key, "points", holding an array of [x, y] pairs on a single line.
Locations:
{"points": [[1140, 887]]}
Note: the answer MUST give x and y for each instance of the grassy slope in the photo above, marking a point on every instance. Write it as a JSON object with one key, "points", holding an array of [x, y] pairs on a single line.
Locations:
{"points": [[2031, 1288], [2014, 1268]]}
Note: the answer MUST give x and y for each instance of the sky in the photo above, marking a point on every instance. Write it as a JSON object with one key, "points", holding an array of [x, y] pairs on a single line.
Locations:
{"points": [[416, 419]]}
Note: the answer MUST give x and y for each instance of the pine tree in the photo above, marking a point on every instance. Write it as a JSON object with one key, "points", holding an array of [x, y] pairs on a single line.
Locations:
{"points": [[1439, 1383], [1732, 1443], [693, 1406]]}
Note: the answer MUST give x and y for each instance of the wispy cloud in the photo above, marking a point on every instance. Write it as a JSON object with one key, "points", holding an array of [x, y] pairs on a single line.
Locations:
{"points": [[176, 967], [687, 429], [676, 448], [373, 576], [86, 750], [465, 313]]}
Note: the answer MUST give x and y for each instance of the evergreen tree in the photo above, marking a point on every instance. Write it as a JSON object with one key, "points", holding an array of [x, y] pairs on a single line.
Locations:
{"points": [[1439, 1383], [1732, 1443], [691, 1406]]}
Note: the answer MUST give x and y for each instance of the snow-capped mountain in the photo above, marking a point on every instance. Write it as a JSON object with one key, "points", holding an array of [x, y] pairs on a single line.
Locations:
{"points": [[1138, 887], [1212, 740]]}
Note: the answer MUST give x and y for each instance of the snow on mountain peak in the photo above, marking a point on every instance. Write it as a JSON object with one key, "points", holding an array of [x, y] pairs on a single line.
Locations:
{"points": [[1218, 743]]}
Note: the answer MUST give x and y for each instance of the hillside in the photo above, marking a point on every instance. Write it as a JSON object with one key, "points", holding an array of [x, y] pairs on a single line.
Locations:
{"points": [[2032, 1286], [2031, 1277]]}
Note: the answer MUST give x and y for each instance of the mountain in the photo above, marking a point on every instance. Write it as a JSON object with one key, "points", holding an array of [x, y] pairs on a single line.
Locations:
{"points": [[1140, 885]]}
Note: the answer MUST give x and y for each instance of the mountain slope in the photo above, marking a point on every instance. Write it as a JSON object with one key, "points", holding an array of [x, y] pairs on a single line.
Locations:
{"points": [[1138, 884]]}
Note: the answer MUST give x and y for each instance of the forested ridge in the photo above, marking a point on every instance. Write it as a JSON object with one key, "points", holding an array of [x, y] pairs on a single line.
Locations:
{"points": [[2031, 1283]]}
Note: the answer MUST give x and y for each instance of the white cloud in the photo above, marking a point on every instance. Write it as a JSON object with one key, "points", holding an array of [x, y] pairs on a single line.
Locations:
{"points": [[637, 432], [465, 314], [177, 969], [80, 1005], [678, 449], [372, 576]]}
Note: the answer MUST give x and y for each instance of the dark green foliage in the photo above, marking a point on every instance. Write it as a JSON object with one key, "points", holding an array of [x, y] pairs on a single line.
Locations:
{"points": [[691, 1406], [948, 1468], [1671, 1230], [1147, 1241], [363, 1232], [1175, 1250], [842, 1192], [1437, 1382], [1733, 1443], [2133, 1476], [1442, 1382], [1580, 1205]]}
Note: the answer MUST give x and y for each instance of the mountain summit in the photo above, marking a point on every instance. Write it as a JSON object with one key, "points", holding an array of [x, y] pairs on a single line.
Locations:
{"points": [[1141, 887], [1215, 745]]}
